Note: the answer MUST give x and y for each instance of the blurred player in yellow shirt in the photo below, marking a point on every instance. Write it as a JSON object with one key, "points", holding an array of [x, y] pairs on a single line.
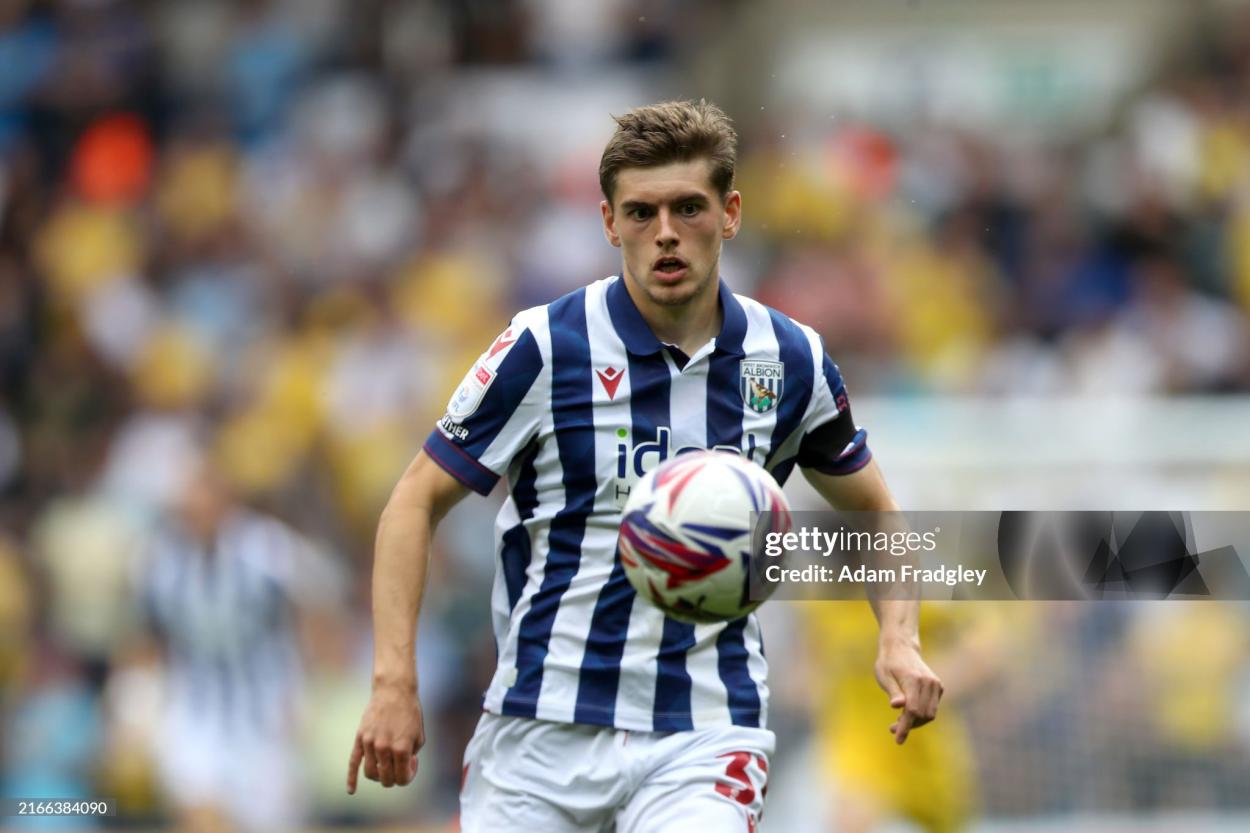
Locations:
{"points": [[931, 780]]}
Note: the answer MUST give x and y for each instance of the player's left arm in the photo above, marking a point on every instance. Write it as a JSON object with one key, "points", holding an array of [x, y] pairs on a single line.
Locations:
{"points": [[834, 456], [901, 672]]}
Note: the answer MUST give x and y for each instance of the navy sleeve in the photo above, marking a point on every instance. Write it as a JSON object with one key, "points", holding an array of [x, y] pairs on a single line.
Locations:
{"points": [[493, 414], [832, 443]]}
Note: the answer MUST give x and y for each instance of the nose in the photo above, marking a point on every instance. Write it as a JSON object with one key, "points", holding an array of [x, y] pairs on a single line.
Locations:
{"points": [[666, 231]]}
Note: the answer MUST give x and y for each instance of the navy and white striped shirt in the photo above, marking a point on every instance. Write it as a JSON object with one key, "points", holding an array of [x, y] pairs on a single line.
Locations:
{"points": [[573, 403], [225, 614]]}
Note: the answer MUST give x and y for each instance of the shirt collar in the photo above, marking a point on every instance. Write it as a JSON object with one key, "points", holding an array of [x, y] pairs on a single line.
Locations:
{"points": [[639, 339]]}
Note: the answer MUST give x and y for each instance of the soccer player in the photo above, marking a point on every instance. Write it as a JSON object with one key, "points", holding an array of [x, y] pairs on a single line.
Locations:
{"points": [[603, 713], [222, 586]]}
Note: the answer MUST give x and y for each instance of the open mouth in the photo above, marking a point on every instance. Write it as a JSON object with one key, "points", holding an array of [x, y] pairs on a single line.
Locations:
{"points": [[669, 265]]}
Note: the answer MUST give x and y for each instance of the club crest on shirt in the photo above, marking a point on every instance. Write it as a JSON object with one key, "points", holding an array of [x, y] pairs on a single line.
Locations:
{"points": [[761, 384]]}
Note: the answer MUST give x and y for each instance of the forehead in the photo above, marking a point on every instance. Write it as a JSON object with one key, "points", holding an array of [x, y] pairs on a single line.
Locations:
{"points": [[662, 183]]}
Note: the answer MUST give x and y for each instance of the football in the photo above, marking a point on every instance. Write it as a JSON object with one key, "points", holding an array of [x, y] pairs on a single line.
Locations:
{"points": [[687, 541]]}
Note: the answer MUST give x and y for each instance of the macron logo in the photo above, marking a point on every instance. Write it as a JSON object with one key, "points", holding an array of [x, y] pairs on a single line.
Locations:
{"points": [[611, 380], [504, 341]]}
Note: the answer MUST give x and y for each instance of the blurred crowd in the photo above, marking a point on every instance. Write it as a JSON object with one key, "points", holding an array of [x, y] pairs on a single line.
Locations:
{"points": [[262, 234]]}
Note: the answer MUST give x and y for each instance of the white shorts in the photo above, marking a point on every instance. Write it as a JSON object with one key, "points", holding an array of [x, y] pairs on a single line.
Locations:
{"points": [[253, 780], [538, 776]]}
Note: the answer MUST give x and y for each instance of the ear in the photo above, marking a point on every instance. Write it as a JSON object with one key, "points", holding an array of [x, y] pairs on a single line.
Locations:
{"points": [[733, 215], [609, 223]]}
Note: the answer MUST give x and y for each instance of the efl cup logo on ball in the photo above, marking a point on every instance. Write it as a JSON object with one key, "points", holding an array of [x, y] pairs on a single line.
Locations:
{"points": [[686, 539]]}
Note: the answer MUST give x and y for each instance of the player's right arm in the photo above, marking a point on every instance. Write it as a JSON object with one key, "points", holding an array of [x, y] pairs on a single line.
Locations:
{"points": [[496, 411], [392, 730]]}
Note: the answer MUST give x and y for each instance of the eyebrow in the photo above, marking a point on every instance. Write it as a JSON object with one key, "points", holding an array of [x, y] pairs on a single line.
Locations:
{"points": [[694, 196]]}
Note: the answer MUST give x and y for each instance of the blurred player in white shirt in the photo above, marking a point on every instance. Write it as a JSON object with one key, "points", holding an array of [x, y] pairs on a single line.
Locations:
{"points": [[221, 585]]}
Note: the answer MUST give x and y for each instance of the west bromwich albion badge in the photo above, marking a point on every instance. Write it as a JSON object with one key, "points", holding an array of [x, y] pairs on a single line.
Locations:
{"points": [[761, 384]]}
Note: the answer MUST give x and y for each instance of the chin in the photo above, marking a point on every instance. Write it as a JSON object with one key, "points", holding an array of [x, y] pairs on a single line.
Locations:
{"points": [[673, 296]]}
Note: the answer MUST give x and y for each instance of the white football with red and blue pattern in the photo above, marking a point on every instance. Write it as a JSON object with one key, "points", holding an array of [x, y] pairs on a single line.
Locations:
{"points": [[686, 540]]}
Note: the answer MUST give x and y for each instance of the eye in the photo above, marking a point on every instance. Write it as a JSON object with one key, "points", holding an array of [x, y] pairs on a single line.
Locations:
{"points": [[688, 209], [639, 213]]}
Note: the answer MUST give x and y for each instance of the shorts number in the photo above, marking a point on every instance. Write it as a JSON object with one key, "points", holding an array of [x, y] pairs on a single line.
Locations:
{"points": [[737, 771]]}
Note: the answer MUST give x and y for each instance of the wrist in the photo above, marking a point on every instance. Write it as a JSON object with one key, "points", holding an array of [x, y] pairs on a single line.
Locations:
{"points": [[894, 640], [404, 682]]}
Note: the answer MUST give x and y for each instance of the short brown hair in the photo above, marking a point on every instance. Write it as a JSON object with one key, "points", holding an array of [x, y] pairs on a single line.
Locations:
{"points": [[673, 131]]}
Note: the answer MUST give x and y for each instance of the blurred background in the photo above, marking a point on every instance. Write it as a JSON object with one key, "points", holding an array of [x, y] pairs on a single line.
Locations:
{"points": [[247, 250]]}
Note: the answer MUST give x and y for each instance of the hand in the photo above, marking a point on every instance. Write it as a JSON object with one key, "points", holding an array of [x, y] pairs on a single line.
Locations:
{"points": [[391, 733], [911, 684]]}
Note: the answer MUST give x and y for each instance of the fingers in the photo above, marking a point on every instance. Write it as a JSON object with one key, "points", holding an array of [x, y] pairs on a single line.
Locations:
{"points": [[386, 767], [923, 692], [898, 700], [371, 761], [353, 765], [388, 764], [919, 707], [390, 735], [928, 695], [912, 693], [397, 765], [405, 764], [903, 726], [892, 689], [918, 695]]}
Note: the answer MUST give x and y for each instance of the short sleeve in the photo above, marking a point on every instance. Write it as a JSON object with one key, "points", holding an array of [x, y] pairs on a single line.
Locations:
{"points": [[832, 443], [494, 413], [144, 586], [304, 570]]}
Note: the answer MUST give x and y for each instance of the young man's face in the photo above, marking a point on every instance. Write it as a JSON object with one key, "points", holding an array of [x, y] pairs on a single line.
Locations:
{"points": [[669, 222]]}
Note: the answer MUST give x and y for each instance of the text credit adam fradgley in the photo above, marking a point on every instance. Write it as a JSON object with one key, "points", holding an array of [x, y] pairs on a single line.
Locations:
{"points": [[839, 555], [872, 545], [1068, 555]]}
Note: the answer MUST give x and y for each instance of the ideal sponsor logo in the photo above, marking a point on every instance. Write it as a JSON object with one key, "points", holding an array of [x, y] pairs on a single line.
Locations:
{"points": [[633, 461]]}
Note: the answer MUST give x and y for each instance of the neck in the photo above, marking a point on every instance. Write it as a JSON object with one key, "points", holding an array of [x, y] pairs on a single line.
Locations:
{"points": [[689, 326]]}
